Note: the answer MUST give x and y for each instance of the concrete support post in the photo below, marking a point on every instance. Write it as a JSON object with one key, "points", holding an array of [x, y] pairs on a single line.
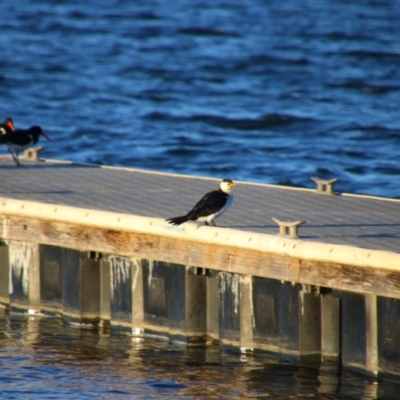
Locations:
{"points": [[371, 319], [229, 314], [212, 311], [196, 305], [24, 275], [330, 326], [310, 330], [155, 304], [80, 286], [388, 335], [105, 292], [353, 333], [266, 304], [50, 278], [289, 320], [90, 289], [4, 274], [246, 313], [137, 297], [175, 295], [34, 279], [121, 292]]}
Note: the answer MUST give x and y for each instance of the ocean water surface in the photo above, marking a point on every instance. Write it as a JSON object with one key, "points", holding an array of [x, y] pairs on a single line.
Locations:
{"points": [[43, 358], [256, 90]]}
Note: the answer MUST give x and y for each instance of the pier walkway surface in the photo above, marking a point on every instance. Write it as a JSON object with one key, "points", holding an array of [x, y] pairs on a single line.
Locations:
{"points": [[353, 220]]}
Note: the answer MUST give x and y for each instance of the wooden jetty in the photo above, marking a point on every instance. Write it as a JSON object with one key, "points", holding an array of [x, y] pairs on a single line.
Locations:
{"points": [[295, 272]]}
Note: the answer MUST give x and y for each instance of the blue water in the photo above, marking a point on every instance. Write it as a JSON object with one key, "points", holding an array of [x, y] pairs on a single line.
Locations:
{"points": [[265, 91], [40, 358]]}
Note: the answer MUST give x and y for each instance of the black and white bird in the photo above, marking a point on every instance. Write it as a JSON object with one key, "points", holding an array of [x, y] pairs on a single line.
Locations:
{"points": [[211, 206], [21, 139]]}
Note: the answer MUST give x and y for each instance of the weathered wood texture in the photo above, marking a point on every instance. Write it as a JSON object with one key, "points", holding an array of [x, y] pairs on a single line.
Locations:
{"points": [[359, 279]]}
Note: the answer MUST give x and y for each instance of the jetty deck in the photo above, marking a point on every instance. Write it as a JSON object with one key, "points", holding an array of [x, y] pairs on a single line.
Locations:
{"points": [[91, 243], [354, 220]]}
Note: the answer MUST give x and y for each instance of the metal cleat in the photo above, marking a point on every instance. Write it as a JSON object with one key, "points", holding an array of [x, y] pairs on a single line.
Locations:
{"points": [[325, 186], [289, 228], [32, 154]]}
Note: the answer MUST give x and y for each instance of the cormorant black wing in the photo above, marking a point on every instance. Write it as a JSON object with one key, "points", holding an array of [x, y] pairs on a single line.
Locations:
{"points": [[209, 204]]}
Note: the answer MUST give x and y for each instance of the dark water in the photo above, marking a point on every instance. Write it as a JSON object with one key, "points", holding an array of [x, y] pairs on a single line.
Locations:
{"points": [[268, 91], [42, 358]]}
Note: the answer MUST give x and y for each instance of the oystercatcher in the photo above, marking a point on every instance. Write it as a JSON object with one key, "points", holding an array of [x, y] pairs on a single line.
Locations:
{"points": [[21, 139], [211, 206], [7, 126]]}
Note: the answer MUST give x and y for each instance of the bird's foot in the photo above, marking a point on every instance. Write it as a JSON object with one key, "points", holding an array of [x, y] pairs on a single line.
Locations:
{"points": [[211, 223]]}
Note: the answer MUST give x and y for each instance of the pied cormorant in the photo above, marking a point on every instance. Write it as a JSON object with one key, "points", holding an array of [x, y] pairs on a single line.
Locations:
{"points": [[211, 206]]}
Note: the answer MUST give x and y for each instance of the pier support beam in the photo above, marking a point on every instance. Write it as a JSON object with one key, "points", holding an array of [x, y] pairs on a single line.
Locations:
{"points": [[4, 274], [121, 292], [155, 299], [137, 297], [175, 301], [80, 286], [24, 275], [212, 305], [310, 324], [196, 304], [246, 313], [330, 327], [122, 301], [69, 284], [359, 330], [229, 309], [50, 278], [371, 324], [389, 335], [277, 313], [105, 292]]}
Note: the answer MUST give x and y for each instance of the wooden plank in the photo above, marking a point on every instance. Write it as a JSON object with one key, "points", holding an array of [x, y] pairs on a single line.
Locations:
{"points": [[357, 279], [207, 255], [154, 247]]}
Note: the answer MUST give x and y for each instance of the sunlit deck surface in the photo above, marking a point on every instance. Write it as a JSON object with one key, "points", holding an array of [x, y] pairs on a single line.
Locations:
{"points": [[360, 221]]}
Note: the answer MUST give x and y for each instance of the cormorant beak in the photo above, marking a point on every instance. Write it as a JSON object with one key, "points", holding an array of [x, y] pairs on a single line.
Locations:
{"points": [[46, 136]]}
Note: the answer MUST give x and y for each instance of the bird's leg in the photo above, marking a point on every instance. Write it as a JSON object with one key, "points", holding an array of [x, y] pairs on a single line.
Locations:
{"points": [[212, 223], [13, 156]]}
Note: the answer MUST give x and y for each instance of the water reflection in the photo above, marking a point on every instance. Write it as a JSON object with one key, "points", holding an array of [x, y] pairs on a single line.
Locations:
{"points": [[43, 357]]}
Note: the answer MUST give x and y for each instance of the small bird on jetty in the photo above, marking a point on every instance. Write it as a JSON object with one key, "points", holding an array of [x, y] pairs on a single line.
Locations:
{"points": [[21, 139], [211, 205], [7, 126]]}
